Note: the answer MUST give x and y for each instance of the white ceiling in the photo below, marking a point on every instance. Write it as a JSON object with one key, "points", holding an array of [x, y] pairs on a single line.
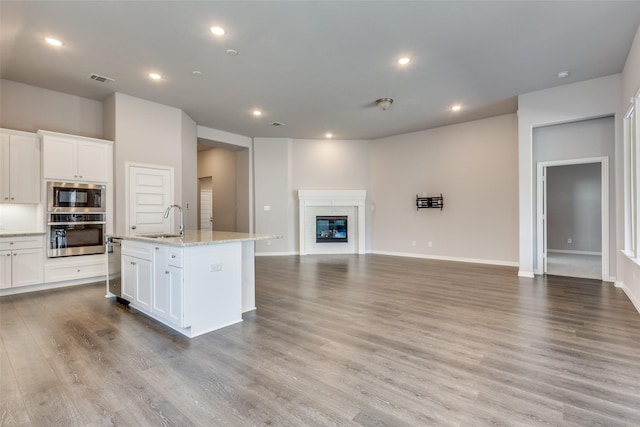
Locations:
{"points": [[317, 66]]}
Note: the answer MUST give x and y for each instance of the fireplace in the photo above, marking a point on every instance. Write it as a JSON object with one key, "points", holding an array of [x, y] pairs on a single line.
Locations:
{"points": [[331, 229], [348, 205]]}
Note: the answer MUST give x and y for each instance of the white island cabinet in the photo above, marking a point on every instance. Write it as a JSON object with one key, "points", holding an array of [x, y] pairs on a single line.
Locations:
{"points": [[195, 284]]}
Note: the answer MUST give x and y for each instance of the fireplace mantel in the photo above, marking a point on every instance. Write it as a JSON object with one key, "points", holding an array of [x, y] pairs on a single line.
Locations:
{"points": [[309, 199]]}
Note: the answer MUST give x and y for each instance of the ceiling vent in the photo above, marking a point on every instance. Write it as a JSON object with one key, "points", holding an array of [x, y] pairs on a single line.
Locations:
{"points": [[101, 79], [276, 124]]}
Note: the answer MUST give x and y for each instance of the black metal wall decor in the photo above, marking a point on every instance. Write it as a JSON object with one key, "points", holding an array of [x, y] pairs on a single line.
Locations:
{"points": [[429, 202]]}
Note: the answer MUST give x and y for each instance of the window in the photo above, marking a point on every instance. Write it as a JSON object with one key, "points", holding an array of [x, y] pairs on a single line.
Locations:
{"points": [[632, 179]]}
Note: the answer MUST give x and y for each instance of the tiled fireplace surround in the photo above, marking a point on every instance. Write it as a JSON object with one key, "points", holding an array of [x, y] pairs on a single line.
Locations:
{"points": [[314, 203]]}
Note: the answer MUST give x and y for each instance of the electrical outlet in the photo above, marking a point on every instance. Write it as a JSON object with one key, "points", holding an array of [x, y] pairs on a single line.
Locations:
{"points": [[215, 267], [430, 244], [268, 242], [569, 240], [413, 243]]}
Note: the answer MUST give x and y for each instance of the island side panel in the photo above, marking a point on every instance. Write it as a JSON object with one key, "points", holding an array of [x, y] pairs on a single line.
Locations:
{"points": [[248, 276], [212, 286]]}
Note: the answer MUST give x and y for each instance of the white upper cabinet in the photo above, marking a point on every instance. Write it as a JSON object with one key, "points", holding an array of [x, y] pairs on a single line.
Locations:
{"points": [[75, 158], [19, 167]]}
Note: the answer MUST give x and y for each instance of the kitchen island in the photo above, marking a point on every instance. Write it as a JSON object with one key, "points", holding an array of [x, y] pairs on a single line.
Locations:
{"points": [[194, 284]]}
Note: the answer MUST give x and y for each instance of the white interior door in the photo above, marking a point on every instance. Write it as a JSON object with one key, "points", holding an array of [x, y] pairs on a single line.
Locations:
{"points": [[206, 209], [150, 193]]}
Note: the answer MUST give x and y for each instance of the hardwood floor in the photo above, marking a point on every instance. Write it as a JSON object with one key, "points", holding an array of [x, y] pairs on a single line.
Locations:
{"points": [[336, 340]]}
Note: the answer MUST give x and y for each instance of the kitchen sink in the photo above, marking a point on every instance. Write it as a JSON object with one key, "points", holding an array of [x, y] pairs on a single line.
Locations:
{"points": [[159, 235]]}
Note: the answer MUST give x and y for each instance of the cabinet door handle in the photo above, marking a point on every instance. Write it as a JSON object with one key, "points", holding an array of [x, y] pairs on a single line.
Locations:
{"points": [[9, 254], [6, 198], [157, 248], [166, 272], [133, 227], [173, 256], [133, 263], [13, 198]]}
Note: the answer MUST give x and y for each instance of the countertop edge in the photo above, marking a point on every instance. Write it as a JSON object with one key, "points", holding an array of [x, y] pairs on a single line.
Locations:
{"points": [[190, 240], [20, 233]]}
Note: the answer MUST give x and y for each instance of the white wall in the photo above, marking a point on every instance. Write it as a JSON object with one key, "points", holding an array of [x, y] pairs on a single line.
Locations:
{"points": [[189, 165], [272, 184], [629, 274], [473, 166], [30, 108], [583, 100], [145, 133]]}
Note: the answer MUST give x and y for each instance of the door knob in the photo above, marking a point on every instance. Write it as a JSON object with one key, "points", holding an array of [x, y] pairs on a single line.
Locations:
{"points": [[133, 227]]}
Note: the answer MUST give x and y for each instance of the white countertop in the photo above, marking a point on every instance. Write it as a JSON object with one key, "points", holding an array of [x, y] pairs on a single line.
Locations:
{"points": [[20, 233], [198, 238]]}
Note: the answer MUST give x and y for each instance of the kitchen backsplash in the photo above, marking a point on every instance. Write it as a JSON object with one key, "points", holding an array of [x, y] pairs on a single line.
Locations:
{"points": [[17, 217]]}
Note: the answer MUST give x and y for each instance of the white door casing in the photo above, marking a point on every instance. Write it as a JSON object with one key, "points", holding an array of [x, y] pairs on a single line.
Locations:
{"points": [[150, 192], [541, 208]]}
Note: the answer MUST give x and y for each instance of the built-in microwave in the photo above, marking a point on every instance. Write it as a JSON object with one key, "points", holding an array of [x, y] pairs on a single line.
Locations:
{"points": [[76, 197]]}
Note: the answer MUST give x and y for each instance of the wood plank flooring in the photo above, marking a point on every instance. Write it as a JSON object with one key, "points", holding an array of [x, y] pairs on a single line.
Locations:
{"points": [[363, 340]]}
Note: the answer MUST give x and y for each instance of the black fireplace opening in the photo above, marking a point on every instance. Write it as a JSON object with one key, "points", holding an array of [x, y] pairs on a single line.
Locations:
{"points": [[331, 229]]}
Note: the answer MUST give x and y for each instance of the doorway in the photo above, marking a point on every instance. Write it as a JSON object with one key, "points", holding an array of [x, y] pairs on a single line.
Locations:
{"points": [[573, 218], [205, 201]]}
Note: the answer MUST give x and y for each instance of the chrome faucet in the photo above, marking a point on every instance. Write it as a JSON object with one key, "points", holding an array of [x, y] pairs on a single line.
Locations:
{"points": [[166, 215]]}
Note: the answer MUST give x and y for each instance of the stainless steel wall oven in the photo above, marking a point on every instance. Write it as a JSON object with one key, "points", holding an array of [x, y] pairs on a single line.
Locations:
{"points": [[76, 221], [76, 234]]}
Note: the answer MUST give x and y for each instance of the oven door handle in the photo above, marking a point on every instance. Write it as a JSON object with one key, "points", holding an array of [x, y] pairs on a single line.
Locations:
{"points": [[77, 223]]}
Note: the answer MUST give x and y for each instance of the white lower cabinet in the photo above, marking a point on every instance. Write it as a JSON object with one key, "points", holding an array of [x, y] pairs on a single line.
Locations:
{"points": [[152, 280], [136, 282], [168, 286], [21, 261]]}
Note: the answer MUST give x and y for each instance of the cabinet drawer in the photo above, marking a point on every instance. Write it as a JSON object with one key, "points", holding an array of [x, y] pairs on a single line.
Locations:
{"points": [[138, 250], [58, 273], [174, 257], [31, 242]]}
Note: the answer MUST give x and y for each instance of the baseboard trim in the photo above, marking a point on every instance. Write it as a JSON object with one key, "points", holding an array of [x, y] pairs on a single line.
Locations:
{"points": [[446, 258], [51, 285], [635, 301], [276, 253], [527, 274], [562, 251]]}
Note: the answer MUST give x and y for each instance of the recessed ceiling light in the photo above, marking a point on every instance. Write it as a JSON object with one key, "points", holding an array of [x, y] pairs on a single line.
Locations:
{"points": [[563, 74], [218, 31], [404, 61], [231, 52], [329, 135], [456, 107], [53, 42], [257, 113], [155, 76]]}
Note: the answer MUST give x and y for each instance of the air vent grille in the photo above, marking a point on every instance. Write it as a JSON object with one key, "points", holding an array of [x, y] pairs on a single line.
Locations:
{"points": [[276, 124], [101, 79]]}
